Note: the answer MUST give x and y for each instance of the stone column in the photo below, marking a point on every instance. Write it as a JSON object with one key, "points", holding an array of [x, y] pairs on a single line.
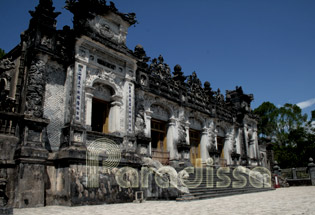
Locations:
{"points": [[88, 107], [226, 148], [147, 120], [238, 142], [187, 133], [203, 145], [311, 170], [114, 114], [171, 147], [147, 130], [256, 147]]}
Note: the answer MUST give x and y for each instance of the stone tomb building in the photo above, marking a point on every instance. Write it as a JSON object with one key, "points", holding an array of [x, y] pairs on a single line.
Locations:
{"points": [[63, 89]]}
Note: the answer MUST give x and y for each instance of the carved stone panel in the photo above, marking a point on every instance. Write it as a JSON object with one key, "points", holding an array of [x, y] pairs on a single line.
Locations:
{"points": [[101, 91], [35, 88], [195, 124], [160, 112]]}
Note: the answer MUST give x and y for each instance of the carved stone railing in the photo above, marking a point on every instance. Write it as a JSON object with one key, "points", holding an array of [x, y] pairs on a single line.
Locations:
{"points": [[93, 135], [161, 156]]}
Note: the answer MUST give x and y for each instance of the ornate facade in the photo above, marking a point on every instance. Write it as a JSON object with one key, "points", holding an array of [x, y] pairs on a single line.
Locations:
{"points": [[63, 89]]}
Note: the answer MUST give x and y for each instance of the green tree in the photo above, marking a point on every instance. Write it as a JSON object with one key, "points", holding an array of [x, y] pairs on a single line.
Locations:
{"points": [[289, 118], [292, 137], [2, 53], [267, 123]]}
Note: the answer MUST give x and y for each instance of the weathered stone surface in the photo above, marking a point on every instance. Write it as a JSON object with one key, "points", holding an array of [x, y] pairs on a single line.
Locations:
{"points": [[61, 79], [30, 186]]}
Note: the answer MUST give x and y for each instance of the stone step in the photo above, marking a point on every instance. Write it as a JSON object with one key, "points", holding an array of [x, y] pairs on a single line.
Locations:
{"points": [[198, 189], [220, 190], [202, 191], [222, 194]]}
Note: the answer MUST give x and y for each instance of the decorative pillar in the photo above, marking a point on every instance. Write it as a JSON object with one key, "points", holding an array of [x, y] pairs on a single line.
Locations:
{"points": [[147, 130], [203, 145], [88, 107], [187, 132], [114, 114], [226, 148], [147, 118], [245, 154], [311, 170], [238, 141], [215, 138], [170, 139], [256, 147]]}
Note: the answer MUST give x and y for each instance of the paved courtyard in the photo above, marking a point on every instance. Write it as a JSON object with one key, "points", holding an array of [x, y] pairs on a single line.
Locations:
{"points": [[288, 201]]}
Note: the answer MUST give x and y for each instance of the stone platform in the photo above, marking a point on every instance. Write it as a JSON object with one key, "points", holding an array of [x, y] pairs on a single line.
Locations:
{"points": [[289, 201]]}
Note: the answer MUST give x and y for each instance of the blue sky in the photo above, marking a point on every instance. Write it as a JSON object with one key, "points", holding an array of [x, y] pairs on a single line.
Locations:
{"points": [[265, 46]]}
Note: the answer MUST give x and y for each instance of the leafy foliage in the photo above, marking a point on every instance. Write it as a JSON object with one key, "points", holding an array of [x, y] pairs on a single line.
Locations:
{"points": [[293, 138], [268, 115]]}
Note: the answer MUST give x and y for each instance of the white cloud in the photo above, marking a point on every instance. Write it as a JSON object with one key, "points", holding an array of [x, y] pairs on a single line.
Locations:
{"points": [[306, 103]]}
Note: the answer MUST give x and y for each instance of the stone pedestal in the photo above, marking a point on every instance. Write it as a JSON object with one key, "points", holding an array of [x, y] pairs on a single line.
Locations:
{"points": [[31, 157], [311, 170], [294, 176]]}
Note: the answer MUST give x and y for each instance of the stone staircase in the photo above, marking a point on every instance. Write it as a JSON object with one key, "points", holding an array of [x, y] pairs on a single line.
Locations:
{"points": [[212, 188]]}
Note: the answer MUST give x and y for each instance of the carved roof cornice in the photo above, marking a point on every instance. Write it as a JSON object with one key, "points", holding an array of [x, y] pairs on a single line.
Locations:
{"points": [[85, 9], [187, 91]]}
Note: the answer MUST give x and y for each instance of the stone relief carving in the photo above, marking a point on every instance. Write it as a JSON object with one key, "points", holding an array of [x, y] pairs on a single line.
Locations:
{"points": [[3, 183], [6, 103], [143, 80], [211, 135], [159, 112], [46, 41], [230, 142], [160, 69], [179, 77], [107, 29], [142, 56], [208, 91], [140, 122], [36, 88], [194, 85], [102, 91], [219, 97], [107, 77], [195, 124], [182, 133]]}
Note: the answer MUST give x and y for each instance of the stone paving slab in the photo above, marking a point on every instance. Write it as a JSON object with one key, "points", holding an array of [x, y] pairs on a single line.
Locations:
{"points": [[287, 201]]}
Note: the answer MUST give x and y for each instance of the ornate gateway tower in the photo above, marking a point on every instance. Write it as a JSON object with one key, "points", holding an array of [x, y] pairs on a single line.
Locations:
{"points": [[71, 99]]}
